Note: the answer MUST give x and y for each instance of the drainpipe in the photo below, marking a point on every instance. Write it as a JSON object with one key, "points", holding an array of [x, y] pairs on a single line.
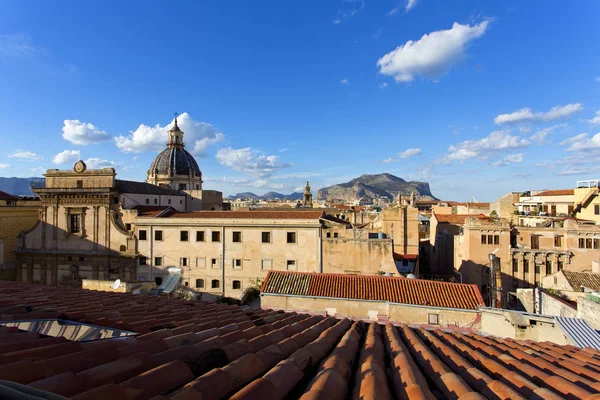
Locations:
{"points": [[223, 263], [320, 249], [151, 261]]}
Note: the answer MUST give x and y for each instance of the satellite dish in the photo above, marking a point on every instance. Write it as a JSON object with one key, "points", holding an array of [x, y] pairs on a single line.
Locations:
{"points": [[411, 276], [116, 284]]}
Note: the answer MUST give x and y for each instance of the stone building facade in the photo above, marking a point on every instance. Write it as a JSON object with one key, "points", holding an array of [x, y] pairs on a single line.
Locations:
{"points": [[16, 215]]}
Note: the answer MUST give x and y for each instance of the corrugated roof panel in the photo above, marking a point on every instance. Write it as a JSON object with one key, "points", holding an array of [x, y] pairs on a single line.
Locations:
{"points": [[579, 332]]}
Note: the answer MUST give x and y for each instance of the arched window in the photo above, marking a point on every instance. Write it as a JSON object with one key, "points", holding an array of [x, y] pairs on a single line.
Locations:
{"points": [[214, 284], [200, 283], [237, 284], [123, 248]]}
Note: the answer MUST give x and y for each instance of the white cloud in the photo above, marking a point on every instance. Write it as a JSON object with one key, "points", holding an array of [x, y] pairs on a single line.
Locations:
{"points": [[393, 11], [83, 133], [344, 81], [250, 161], [388, 160], [596, 119], [66, 157], [524, 129], [97, 163], [299, 189], [198, 136], [283, 150], [597, 79], [578, 170], [37, 170], [410, 4], [337, 21], [4, 166], [526, 115], [26, 155], [431, 56], [541, 134], [19, 46], [382, 85], [510, 159], [377, 34], [581, 142], [409, 153], [483, 148]]}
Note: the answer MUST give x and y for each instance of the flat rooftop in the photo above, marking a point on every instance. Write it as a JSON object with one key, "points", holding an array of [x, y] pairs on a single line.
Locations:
{"points": [[196, 350]]}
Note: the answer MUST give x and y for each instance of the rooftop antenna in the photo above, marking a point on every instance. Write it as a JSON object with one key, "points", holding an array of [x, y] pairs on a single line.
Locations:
{"points": [[116, 284], [475, 200]]}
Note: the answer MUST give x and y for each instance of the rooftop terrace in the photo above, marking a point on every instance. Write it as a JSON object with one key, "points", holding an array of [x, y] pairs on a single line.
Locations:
{"points": [[197, 350]]}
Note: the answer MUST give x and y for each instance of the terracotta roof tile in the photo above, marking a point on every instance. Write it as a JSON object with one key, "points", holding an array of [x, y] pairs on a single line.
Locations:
{"points": [[560, 192], [277, 354], [392, 289]]}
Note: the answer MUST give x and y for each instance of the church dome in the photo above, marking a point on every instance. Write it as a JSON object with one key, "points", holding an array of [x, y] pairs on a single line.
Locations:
{"points": [[175, 161]]}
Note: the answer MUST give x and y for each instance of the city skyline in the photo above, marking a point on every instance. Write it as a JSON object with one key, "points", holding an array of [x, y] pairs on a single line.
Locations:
{"points": [[271, 96]]}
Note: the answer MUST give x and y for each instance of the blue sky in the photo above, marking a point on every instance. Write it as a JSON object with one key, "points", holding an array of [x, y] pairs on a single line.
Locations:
{"points": [[478, 98]]}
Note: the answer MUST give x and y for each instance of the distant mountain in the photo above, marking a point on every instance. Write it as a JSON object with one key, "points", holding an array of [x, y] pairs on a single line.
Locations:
{"points": [[17, 186], [267, 196], [371, 187]]}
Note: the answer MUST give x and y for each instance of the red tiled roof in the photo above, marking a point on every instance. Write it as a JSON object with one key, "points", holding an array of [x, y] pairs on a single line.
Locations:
{"points": [[457, 219], [383, 288], [8, 197], [560, 192], [247, 214], [409, 257], [196, 350], [150, 211]]}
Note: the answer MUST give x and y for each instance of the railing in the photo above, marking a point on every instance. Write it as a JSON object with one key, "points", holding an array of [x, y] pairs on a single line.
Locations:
{"points": [[592, 183], [39, 183]]}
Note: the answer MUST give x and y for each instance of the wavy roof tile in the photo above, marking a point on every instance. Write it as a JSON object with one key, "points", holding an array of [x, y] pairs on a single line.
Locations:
{"points": [[197, 350], [382, 288]]}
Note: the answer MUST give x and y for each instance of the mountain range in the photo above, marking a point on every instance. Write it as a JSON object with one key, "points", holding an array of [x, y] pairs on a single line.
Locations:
{"points": [[371, 187], [17, 186], [267, 196]]}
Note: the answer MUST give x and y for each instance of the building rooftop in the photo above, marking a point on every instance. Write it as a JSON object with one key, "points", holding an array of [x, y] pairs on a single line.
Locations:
{"points": [[246, 214], [7, 197], [150, 211], [144, 188], [196, 350], [458, 219], [561, 192], [586, 279], [381, 288]]}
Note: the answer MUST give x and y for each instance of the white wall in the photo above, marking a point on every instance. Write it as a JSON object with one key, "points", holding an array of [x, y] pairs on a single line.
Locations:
{"points": [[130, 200]]}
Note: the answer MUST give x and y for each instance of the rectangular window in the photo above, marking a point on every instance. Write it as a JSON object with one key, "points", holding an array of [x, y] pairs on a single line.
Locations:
{"points": [[291, 237], [237, 263], [143, 260], [79, 184], [147, 201], [335, 234], [537, 267], [581, 243], [199, 236], [142, 234], [237, 237], [155, 201], [496, 239], [266, 264], [201, 262], [557, 241], [128, 227], [596, 244], [559, 265], [214, 284], [588, 243], [158, 235], [216, 236], [483, 239], [200, 283], [183, 236], [433, 319], [169, 201], [236, 284], [535, 242], [328, 234], [214, 263], [291, 265], [490, 239], [75, 223], [266, 237], [158, 261], [183, 262], [597, 209], [515, 265], [182, 186], [548, 267], [525, 265]]}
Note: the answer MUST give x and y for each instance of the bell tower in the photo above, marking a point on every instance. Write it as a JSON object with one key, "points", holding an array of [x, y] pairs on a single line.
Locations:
{"points": [[307, 197]]}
